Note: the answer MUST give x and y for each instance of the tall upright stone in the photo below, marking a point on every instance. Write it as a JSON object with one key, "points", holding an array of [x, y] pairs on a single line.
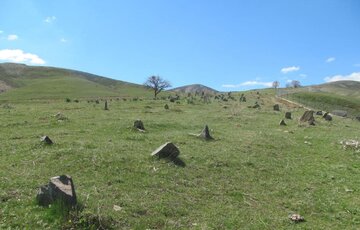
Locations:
{"points": [[288, 115], [106, 105], [276, 107], [205, 133]]}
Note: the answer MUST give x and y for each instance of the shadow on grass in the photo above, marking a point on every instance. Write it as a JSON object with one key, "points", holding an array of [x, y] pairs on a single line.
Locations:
{"points": [[178, 162]]}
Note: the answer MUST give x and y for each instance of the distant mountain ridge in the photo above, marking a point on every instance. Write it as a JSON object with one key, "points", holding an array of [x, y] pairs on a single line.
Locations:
{"points": [[194, 88]]}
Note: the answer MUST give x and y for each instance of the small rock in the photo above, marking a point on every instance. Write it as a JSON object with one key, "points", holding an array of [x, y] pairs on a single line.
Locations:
{"points": [[328, 117], [320, 113], [138, 124], [46, 140], [166, 106], [206, 134], [296, 218], [282, 122], [288, 115], [166, 150], [276, 107]]}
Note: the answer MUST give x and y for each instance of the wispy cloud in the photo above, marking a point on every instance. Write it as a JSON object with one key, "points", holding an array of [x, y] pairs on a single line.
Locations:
{"points": [[290, 69], [50, 19], [353, 77], [248, 83], [1, 31], [357, 65], [12, 37], [17, 55], [330, 59], [303, 75], [63, 40]]}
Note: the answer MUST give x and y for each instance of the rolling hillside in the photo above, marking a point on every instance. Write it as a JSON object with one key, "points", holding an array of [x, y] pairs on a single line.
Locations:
{"points": [[19, 82], [341, 95]]}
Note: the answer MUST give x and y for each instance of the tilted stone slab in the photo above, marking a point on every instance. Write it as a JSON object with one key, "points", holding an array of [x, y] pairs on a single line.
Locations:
{"points": [[166, 150]]}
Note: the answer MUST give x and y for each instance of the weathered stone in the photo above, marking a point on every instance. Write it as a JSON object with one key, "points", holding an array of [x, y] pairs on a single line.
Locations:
{"points": [[46, 140], [59, 189], [166, 106], [138, 124], [308, 116], [206, 134], [325, 114], [276, 107], [320, 113], [296, 218], [357, 118], [328, 117], [282, 122], [288, 115], [340, 113], [166, 150], [106, 105]]}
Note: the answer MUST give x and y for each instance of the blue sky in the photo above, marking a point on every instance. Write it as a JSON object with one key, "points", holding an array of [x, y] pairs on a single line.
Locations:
{"points": [[227, 45]]}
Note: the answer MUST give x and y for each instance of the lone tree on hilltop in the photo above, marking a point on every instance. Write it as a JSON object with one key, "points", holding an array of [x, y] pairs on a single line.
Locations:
{"points": [[293, 84], [275, 84], [157, 84]]}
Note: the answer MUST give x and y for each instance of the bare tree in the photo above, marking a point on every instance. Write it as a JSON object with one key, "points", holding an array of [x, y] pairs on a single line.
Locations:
{"points": [[293, 84], [157, 84], [275, 84]]}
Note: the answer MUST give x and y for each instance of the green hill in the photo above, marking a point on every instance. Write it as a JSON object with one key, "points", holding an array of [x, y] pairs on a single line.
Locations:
{"points": [[341, 95], [22, 82]]}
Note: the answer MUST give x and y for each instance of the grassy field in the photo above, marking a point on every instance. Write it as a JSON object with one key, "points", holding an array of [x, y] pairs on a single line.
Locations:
{"points": [[252, 176]]}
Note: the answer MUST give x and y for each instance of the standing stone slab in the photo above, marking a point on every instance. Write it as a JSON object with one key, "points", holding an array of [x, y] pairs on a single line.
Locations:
{"points": [[282, 122], [288, 115], [276, 107], [59, 189], [166, 150], [308, 116], [328, 117], [166, 106]]}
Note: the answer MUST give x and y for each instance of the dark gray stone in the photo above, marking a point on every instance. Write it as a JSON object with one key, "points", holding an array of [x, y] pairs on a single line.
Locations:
{"points": [[276, 107], [288, 115], [357, 118], [328, 117], [308, 117], [167, 150], [46, 140], [138, 124], [282, 122], [320, 113], [166, 106], [60, 188], [106, 105]]}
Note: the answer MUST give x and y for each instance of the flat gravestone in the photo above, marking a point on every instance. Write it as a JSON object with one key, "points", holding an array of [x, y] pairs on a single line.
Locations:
{"points": [[340, 113], [167, 150], [59, 189], [288, 115]]}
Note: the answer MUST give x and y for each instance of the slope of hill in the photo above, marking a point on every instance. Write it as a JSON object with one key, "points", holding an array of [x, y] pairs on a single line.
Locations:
{"points": [[20, 81], [341, 95], [195, 88]]}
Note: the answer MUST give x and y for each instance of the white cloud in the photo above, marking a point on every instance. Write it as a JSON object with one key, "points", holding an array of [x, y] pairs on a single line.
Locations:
{"points": [[63, 40], [353, 77], [20, 56], [290, 69], [50, 19], [248, 83], [330, 59], [12, 37]]}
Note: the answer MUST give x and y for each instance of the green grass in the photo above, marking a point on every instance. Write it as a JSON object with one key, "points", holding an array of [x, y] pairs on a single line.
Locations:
{"points": [[328, 102], [252, 176]]}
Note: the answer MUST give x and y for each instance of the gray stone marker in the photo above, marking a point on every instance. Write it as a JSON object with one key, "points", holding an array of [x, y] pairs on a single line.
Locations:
{"points": [[288, 115], [206, 134], [340, 113], [282, 122], [328, 117], [60, 188], [166, 106], [308, 117], [166, 150]]}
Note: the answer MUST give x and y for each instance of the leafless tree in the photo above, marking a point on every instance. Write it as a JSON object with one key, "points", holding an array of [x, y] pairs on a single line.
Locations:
{"points": [[275, 84], [157, 84], [293, 84]]}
